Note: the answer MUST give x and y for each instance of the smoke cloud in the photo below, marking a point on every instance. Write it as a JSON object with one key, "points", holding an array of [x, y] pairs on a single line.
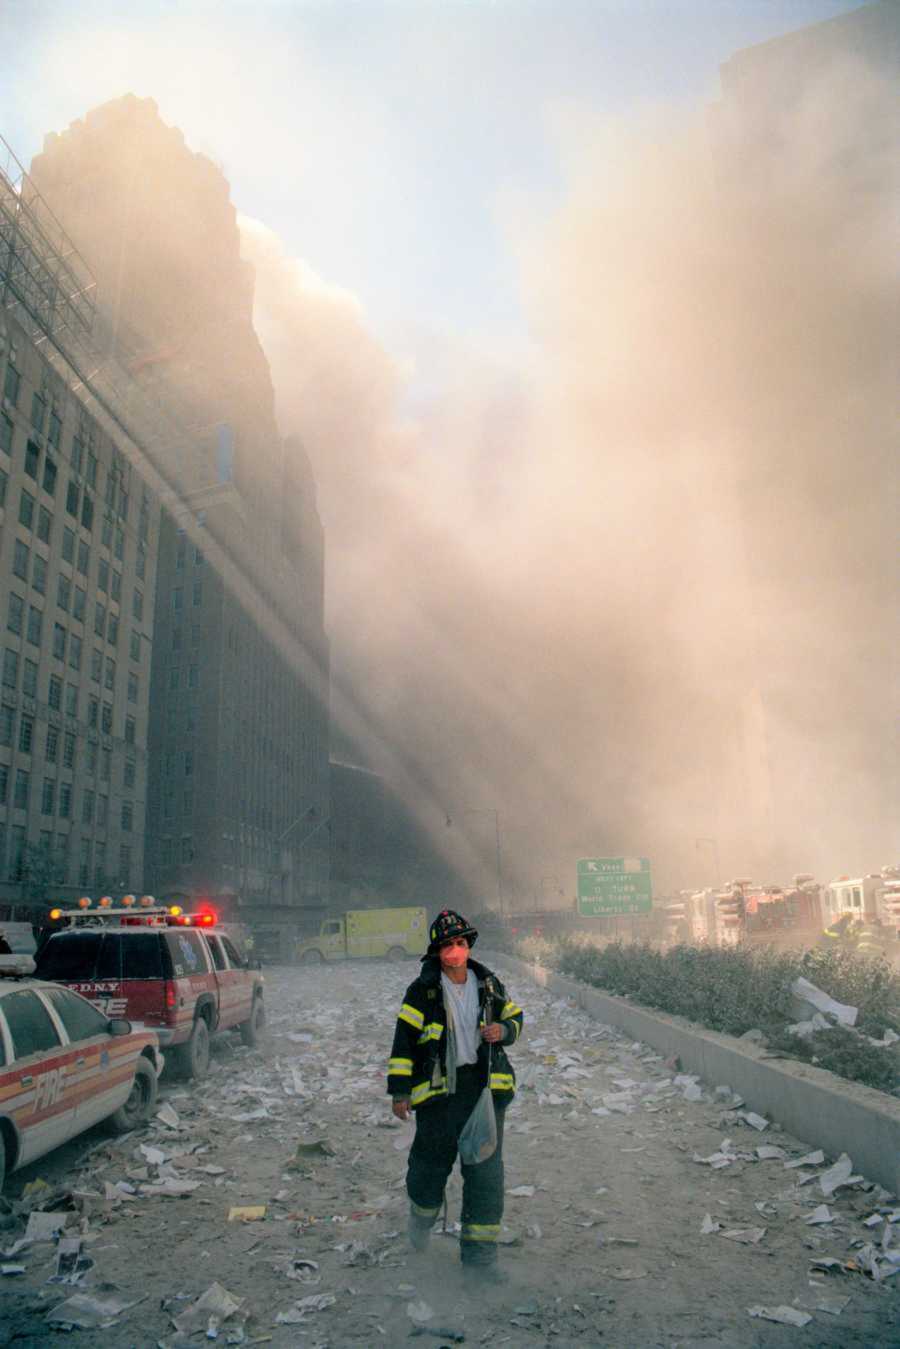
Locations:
{"points": [[638, 598]]}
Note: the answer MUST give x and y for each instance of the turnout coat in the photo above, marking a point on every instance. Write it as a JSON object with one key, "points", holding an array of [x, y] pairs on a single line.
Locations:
{"points": [[418, 1064]]}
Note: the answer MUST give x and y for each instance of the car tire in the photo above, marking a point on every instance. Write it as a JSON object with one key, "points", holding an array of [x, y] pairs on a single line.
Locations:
{"points": [[311, 958], [192, 1058], [251, 1030], [396, 953], [140, 1103]]}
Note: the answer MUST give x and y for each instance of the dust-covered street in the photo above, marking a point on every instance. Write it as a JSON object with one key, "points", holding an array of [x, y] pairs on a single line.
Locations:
{"points": [[629, 1218]]}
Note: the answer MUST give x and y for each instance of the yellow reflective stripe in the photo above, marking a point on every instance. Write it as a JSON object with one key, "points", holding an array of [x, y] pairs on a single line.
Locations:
{"points": [[412, 1016], [510, 1009], [433, 1031], [502, 1082], [422, 1212], [424, 1091], [480, 1231], [400, 1067]]}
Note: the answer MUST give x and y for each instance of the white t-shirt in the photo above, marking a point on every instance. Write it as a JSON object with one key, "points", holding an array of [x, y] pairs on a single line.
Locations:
{"points": [[461, 1002]]}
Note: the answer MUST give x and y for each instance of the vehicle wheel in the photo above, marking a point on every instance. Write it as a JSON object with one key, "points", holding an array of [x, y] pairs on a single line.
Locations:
{"points": [[141, 1100], [311, 958], [192, 1058], [396, 953], [252, 1029]]}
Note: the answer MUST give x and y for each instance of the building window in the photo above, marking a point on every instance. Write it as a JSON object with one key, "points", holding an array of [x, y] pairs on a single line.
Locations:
{"points": [[17, 852], [10, 668], [7, 724], [71, 700], [174, 677], [132, 688], [21, 789], [96, 665], [110, 680], [112, 630], [44, 524], [99, 618], [4, 481], [129, 730], [21, 558], [197, 594], [84, 557], [32, 459], [124, 866], [38, 412], [130, 771], [35, 622], [177, 599], [54, 429], [87, 808], [51, 749], [134, 646], [123, 504], [87, 513], [77, 454], [84, 863], [65, 800], [93, 713], [91, 758], [4, 782], [59, 641], [63, 592], [106, 719], [127, 816], [105, 764], [193, 677], [30, 679], [39, 574], [102, 810], [91, 474], [187, 848], [80, 604], [140, 563], [188, 763], [73, 497], [6, 433], [26, 734], [75, 652], [48, 796], [11, 384], [54, 693], [119, 548], [26, 509], [137, 605], [103, 574], [68, 750], [106, 532], [50, 475], [15, 612], [176, 639], [68, 545], [117, 585]]}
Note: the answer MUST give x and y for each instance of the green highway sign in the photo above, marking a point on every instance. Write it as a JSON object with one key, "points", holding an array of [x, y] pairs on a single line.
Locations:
{"points": [[613, 885]]}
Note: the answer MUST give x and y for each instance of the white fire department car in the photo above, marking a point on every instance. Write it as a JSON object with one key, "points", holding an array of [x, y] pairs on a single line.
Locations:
{"points": [[64, 1067]]}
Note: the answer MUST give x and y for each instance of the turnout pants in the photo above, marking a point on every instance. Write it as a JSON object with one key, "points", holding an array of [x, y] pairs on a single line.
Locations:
{"points": [[431, 1158]]}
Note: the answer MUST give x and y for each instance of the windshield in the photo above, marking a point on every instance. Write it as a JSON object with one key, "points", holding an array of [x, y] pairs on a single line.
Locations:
{"points": [[69, 956]]}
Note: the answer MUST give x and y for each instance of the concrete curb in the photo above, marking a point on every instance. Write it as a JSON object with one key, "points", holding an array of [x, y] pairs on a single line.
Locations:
{"points": [[810, 1103]]}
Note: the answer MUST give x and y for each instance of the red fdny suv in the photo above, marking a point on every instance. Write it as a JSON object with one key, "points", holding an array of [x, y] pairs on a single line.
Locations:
{"points": [[171, 972]]}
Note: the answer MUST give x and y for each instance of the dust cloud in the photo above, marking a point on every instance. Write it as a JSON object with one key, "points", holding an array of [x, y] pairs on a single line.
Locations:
{"points": [[639, 598]]}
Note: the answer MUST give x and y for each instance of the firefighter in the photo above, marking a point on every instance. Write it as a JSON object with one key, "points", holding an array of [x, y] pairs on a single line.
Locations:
{"points": [[842, 932], [451, 1031]]}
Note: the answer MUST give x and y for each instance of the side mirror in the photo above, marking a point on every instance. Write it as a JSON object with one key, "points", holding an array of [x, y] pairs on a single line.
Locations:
{"points": [[118, 1025]]}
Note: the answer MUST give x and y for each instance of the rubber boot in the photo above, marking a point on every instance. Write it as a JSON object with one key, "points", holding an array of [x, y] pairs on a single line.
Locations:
{"points": [[419, 1230]]}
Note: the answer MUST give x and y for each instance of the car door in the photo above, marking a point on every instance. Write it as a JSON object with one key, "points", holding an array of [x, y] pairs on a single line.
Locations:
{"points": [[38, 1096], [101, 1067], [241, 984]]}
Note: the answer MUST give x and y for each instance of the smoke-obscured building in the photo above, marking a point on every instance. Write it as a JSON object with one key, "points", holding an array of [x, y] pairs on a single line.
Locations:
{"points": [[79, 530], [237, 803]]}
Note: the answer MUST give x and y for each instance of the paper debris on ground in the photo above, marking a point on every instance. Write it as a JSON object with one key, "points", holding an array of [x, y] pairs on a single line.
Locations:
{"points": [[769, 1152], [419, 1312], [836, 1176], [755, 1121], [89, 1313], [215, 1302], [625, 1275], [818, 1215], [749, 1236], [247, 1213], [808, 993], [827, 1302], [708, 1225], [44, 1226], [168, 1116], [521, 1192], [71, 1264], [811, 1159], [10, 1270], [787, 1316]]}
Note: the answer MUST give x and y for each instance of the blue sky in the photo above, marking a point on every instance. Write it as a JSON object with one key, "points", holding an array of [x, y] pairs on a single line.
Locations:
{"points": [[385, 141]]}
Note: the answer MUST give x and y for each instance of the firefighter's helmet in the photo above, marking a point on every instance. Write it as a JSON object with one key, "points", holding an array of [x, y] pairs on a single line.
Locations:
{"points": [[447, 926]]}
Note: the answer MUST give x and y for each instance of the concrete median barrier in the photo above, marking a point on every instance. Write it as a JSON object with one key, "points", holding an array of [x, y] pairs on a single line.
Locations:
{"points": [[810, 1103]]}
